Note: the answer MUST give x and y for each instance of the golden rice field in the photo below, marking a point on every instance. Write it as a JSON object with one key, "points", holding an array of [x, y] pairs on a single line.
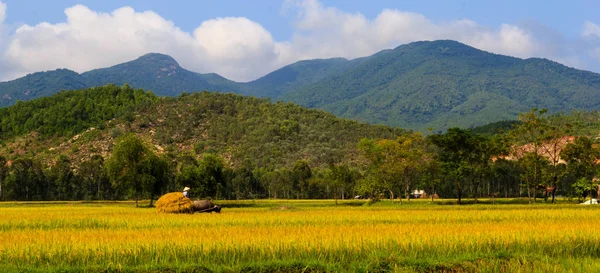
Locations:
{"points": [[300, 236]]}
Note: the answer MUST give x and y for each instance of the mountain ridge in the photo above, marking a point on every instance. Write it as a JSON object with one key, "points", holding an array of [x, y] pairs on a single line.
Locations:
{"points": [[152, 71], [420, 85], [444, 84]]}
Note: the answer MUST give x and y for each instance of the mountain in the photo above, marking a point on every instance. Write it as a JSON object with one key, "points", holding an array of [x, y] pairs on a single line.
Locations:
{"points": [[294, 76], [290, 78], [157, 72], [39, 84], [442, 84], [421, 85]]}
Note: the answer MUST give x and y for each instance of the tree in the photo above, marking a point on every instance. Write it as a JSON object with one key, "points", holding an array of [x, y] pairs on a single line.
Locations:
{"points": [[370, 186], [188, 175], [382, 174], [264, 177], [3, 174], [156, 174], [528, 138], [134, 167], [244, 184], [430, 176], [455, 154], [506, 178], [582, 157], [584, 186], [396, 163], [211, 181], [554, 139], [483, 149], [26, 181], [92, 172], [533, 165], [63, 179], [415, 157], [300, 175], [276, 182], [338, 177]]}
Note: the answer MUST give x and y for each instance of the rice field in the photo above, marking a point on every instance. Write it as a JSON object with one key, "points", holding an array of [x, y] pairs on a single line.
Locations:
{"points": [[300, 236]]}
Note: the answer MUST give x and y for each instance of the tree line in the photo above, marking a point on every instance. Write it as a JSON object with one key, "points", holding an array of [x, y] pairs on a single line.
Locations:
{"points": [[535, 159], [228, 146]]}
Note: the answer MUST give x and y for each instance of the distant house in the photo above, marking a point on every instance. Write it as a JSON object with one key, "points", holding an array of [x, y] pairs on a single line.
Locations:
{"points": [[418, 194]]}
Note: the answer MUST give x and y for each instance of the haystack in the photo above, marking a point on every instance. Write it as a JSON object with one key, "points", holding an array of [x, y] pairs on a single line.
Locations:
{"points": [[174, 202]]}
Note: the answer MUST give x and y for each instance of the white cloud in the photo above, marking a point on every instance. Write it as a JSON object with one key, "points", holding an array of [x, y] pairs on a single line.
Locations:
{"points": [[88, 40], [5, 71], [2, 12], [233, 38], [325, 32], [2, 17], [241, 49], [235, 46], [591, 34], [590, 29]]}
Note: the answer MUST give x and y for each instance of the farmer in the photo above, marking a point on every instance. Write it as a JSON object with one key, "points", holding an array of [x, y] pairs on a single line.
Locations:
{"points": [[185, 191]]}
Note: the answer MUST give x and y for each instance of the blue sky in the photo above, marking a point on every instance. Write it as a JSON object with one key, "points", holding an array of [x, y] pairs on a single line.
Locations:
{"points": [[243, 40]]}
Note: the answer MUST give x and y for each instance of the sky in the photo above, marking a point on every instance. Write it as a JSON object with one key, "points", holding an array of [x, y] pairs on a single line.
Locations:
{"points": [[243, 40]]}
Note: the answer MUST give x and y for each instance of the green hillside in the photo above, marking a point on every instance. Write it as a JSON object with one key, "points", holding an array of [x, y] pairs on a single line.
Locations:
{"points": [[443, 84], [243, 129], [39, 84], [295, 76], [115, 142]]}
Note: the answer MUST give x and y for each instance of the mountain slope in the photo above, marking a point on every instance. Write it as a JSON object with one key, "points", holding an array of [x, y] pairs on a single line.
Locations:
{"points": [[157, 72], [445, 83], [294, 76], [39, 84], [243, 130]]}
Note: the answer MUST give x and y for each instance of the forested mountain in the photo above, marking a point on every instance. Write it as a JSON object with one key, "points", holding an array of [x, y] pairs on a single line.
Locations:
{"points": [[445, 83], [39, 84], [294, 76], [159, 73], [156, 72], [420, 85]]}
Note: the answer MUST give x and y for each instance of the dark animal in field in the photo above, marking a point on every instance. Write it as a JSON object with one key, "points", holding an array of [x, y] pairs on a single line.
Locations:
{"points": [[547, 190], [206, 206]]}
